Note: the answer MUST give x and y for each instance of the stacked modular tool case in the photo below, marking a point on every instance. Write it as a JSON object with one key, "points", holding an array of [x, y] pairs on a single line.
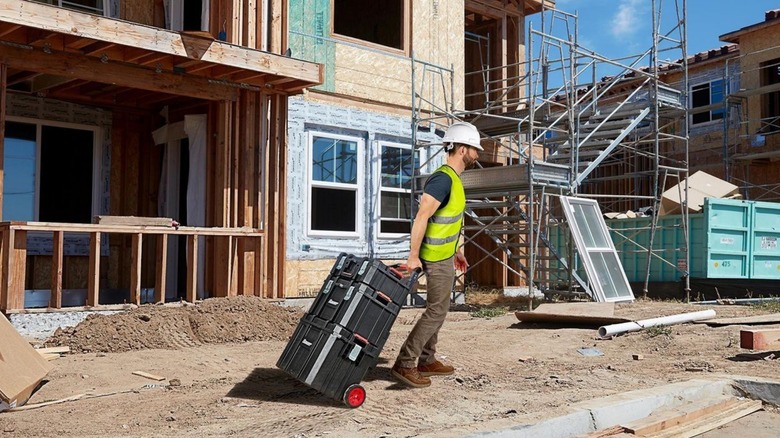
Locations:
{"points": [[342, 334]]}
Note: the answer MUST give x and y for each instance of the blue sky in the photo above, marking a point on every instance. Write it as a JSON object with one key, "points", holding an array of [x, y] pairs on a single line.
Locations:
{"points": [[617, 28]]}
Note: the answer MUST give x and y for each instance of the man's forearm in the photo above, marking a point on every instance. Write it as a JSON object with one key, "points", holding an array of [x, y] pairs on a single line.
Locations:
{"points": [[417, 235]]}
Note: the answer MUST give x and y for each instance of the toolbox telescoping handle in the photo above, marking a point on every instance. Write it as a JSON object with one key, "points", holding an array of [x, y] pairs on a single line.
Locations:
{"points": [[397, 270]]}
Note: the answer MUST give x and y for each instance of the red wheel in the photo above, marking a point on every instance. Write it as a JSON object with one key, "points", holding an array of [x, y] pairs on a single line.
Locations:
{"points": [[354, 396]]}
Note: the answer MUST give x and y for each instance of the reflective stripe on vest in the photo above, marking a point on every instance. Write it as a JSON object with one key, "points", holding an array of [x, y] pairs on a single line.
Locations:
{"points": [[443, 230]]}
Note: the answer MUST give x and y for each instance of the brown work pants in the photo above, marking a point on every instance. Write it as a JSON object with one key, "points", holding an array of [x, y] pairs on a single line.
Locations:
{"points": [[420, 346]]}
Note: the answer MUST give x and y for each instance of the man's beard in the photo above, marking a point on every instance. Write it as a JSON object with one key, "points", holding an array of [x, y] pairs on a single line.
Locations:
{"points": [[468, 162]]}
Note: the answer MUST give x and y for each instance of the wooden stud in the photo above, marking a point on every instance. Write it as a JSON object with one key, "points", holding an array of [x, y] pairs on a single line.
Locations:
{"points": [[162, 264], [55, 300], [93, 288], [135, 268], [192, 268], [14, 266]]}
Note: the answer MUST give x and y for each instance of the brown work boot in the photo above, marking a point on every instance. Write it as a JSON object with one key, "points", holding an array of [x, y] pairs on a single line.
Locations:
{"points": [[435, 369], [410, 376]]}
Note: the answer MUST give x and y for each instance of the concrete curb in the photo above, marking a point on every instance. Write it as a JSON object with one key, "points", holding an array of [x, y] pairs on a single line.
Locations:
{"points": [[592, 415]]}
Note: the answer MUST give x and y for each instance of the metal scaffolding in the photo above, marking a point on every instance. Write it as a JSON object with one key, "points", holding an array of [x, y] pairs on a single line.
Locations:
{"points": [[570, 123]]}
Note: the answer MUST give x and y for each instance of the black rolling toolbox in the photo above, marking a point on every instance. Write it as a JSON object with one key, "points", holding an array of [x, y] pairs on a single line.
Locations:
{"points": [[339, 339]]}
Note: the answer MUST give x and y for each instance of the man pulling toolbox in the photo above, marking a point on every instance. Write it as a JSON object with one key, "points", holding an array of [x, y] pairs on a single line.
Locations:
{"points": [[339, 339]]}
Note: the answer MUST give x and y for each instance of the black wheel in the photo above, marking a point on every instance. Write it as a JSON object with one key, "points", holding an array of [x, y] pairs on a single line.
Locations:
{"points": [[354, 396]]}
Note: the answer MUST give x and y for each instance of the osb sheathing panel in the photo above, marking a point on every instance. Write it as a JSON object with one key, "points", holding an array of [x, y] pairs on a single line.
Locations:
{"points": [[437, 38], [753, 48], [140, 11]]}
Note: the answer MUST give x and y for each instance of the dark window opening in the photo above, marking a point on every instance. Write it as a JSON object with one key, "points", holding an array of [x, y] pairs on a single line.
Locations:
{"points": [[376, 22], [704, 95], [333, 209], [192, 15], [482, 49], [770, 102], [184, 175], [66, 175]]}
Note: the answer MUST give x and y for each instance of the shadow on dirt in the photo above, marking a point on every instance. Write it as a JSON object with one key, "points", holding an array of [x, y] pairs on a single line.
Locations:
{"points": [[273, 384]]}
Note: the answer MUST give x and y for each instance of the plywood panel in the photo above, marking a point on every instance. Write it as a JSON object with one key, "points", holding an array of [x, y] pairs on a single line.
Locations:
{"points": [[139, 11]]}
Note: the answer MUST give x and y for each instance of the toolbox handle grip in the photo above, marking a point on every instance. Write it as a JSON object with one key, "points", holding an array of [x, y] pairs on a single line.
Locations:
{"points": [[361, 339], [383, 296]]}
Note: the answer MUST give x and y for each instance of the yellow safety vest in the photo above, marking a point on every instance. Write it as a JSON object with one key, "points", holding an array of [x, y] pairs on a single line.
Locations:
{"points": [[441, 235]]}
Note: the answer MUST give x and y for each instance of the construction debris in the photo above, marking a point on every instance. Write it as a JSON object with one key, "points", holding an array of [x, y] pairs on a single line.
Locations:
{"points": [[148, 375], [580, 314], [635, 326], [700, 185], [21, 368], [760, 339]]}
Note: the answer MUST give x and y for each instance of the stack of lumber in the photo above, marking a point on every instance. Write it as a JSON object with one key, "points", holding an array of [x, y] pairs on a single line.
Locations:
{"points": [[685, 421]]}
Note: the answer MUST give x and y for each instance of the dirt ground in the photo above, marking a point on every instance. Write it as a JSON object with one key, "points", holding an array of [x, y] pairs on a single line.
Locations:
{"points": [[221, 380]]}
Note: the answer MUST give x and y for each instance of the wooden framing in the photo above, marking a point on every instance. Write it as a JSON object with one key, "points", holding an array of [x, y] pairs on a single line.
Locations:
{"points": [[57, 24], [14, 249]]}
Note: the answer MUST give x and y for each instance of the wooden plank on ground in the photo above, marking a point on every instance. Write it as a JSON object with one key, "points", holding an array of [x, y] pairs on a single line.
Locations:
{"points": [[610, 432], [595, 314], [712, 421], [56, 350], [666, 418], [135, 220], [760, 339], [773, 318], [148, 375]]}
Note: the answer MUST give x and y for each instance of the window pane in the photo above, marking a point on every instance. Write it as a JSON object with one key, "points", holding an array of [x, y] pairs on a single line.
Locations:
{"points": [[66, 175], [395, 227], [333, 209], [396, 205], [587, 219], [334, 160], [700, 95], [610, 275], [398, 167], [19, 176]]}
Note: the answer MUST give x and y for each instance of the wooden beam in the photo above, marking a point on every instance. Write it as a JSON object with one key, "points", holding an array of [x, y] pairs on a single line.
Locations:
{"points": [[135, 268], [128, 75], [192, 268], [67, 22], [760, 339], [93, 287], [671, 417], [55, 300], [162, 265]]}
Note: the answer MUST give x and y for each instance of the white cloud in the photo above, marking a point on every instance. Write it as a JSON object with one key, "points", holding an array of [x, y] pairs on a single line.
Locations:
{"points": [[627, 17]]}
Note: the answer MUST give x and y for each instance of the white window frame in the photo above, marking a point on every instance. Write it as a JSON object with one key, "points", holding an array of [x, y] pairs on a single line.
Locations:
{"points": [[358, 187], [586, 251], [96, 158], [381, 188], [709, 88]]}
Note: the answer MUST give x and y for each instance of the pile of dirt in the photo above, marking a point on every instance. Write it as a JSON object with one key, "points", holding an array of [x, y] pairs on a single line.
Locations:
{"points": [[213, 321]]}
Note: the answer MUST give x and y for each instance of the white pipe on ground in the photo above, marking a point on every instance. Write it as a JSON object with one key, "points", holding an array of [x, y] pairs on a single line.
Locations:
{"points": [[634, 326]]}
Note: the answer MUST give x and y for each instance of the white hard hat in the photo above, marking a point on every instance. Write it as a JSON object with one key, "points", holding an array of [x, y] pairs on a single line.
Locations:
{"points": [[464, 133]]}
